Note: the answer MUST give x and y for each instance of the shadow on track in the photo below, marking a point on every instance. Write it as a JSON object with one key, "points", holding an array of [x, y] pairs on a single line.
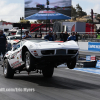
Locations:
{"points": [[57, 82]]}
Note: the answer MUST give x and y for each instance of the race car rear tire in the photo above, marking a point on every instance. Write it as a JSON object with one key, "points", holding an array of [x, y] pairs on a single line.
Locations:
{"points": [[28, 61], [7, 70], [71, 64], [47, 72]]}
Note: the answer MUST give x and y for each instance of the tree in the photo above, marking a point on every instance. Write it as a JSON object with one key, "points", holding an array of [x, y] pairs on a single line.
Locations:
{"points": [[84, 13], [79, 10], [98, 15], [22, 20], [73, 12], [89, 21]]}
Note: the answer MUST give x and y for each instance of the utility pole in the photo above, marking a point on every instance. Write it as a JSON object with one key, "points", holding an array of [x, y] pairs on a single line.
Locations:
{"points": [[47, 15], [92, 15]]}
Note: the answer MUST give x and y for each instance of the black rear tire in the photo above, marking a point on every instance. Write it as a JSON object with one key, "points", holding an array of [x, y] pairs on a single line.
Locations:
{"points": [[7, 70], [48, 72]]}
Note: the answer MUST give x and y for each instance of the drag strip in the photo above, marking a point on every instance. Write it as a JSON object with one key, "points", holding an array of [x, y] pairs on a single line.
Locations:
{"points": [[88, 70], [66, 84]]}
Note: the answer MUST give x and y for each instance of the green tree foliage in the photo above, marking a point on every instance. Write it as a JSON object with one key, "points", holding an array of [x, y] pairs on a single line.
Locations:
{"points": [[98, 15], [73, 12], [77, 12], [22, 20], [89, 21]]}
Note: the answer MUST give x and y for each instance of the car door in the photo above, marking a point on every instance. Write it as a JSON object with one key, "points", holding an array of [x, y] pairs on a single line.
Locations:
{"points": [[15, 56]]}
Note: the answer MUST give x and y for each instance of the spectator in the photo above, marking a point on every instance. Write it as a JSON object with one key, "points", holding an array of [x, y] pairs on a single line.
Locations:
{"points": [[83, 37], [62, 36], [55, 36], [76, 34], [9, 46], [26, 35], [3, 43], [72, 37], [40, 35], [49, 36], [66, 36], [36, 35], [98, 35]]}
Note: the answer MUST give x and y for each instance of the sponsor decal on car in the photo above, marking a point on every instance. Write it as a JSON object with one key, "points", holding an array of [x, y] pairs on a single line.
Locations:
{"points": [[16, 40], [15, 63]]}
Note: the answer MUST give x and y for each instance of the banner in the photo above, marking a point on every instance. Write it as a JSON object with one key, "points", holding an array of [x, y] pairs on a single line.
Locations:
{"points": [[88, 58], [98, 64], [94, 46]]}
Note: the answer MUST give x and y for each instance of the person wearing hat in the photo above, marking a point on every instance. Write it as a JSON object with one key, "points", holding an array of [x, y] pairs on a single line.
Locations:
{"points": [[72, 37], [26, 35], [49, 36], [3, 43]]}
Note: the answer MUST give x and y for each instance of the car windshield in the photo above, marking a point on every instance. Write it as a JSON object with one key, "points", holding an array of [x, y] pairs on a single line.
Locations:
{"points": [[19, 33], [14, 38]]}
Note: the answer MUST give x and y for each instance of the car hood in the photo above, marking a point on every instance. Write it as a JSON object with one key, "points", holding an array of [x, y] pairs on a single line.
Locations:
{"points": [[51, 45]]}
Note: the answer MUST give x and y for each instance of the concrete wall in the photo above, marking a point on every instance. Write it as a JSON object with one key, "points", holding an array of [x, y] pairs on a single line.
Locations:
{"points": [[83, 45]]}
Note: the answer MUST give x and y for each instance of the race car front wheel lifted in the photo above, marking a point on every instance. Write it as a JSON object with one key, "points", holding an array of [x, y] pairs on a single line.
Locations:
{"points": [[7, 70], [71, 64]]}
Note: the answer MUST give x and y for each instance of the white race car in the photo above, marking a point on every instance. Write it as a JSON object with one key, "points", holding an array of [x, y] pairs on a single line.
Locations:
{"points": [[40, 56], [13, 39]]}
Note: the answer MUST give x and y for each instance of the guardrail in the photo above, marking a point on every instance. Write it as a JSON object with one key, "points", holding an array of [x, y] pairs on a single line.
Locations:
{"points": [[83, 55]]}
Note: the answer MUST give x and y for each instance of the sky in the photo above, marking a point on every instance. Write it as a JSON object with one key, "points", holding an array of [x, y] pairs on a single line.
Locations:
{"points": [[12, 10]]}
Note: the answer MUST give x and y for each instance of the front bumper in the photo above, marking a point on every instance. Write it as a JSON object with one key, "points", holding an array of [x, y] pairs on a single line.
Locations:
{"points": [[55, 59]]}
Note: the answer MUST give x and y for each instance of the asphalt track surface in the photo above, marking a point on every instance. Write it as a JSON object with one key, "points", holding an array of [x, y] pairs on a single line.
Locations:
{"points": [[65, 84]]}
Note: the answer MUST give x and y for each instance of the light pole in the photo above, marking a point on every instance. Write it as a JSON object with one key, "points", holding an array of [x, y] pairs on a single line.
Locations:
{"points": [[47, 14]]}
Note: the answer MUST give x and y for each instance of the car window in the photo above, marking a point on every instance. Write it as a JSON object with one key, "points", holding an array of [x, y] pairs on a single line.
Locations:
{"points": [[17, 37], [16, 46], [19, 33]]}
